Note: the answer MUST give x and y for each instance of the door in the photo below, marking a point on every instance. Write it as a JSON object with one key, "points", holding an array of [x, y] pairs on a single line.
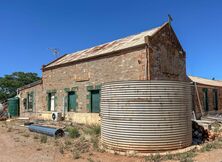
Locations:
{"points": [[71, 101], [95, 101]]}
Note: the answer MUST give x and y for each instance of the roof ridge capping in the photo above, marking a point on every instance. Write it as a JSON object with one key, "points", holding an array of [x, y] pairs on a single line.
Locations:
{"points": [[113, 46]]}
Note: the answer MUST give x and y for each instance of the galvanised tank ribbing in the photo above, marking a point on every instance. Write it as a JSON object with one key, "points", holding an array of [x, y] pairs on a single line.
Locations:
{"points": [[146, 116]]}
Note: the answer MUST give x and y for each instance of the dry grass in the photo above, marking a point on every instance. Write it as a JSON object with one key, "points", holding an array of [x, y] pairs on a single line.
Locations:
{"points": [[182, 157], [93, 129], [76, 154], [26, 135], [36, 136], [43, 139], [217, 144], [73, 132], [9, 130], [61, 150], [81, 139]]}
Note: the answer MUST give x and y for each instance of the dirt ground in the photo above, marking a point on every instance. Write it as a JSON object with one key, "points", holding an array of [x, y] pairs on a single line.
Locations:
{"points": [[19, 145]]}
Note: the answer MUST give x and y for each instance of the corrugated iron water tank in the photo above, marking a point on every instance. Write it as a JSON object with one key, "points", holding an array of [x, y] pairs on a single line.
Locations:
{"points": [[146, 116], [13, 106]]}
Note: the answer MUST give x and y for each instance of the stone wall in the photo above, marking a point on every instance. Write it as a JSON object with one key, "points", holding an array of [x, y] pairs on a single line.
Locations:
{"points": [[166, 63], [38, 103], [126, 65], [167, 58], [196, 105]]}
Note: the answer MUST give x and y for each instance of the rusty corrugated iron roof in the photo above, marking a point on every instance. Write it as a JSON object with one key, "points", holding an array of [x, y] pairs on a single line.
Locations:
{"points": [[120, 44], [204, 81]]}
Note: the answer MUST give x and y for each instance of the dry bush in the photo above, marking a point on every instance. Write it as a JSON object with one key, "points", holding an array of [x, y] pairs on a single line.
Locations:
{"points": [[73, 132], [43, 139]]}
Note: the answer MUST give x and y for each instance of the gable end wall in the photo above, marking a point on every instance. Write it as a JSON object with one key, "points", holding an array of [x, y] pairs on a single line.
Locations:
{"points": [[167, 59]]}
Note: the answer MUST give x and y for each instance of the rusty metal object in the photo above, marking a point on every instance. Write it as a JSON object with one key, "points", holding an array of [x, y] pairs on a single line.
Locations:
{"points": [[146, 116], [114, 46]]}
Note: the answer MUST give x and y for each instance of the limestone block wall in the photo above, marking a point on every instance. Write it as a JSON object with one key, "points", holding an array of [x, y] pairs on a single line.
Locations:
{"points": [[167, 58], [211, 103]]}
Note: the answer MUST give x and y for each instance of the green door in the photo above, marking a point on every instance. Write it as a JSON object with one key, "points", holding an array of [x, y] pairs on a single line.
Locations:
{"points": [[71, 101], [95, 101], [13, 106]]}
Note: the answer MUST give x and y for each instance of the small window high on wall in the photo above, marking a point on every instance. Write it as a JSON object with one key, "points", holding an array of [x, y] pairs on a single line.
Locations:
{"points": [[215, 98], [205, 99]]}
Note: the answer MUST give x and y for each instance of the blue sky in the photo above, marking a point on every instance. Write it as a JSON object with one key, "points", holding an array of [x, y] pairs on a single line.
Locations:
{"points": [[29, 27]]}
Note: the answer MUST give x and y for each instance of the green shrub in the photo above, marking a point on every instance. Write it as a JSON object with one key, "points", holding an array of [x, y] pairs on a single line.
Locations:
{"points": [[73, 132], [94, 129]]}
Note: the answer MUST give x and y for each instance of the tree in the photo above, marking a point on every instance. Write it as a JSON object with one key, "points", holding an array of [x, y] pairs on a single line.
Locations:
{"points": [[10, 83]]}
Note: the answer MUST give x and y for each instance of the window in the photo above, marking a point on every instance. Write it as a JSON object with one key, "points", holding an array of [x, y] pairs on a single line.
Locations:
{"points": [[51, 101], [25, 103], [30, 102], [205, 99], [72, 101], [215, 98]]}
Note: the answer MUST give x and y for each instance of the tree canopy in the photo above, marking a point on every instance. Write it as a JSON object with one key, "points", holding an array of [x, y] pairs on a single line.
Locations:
{"points": [[10, 83]]}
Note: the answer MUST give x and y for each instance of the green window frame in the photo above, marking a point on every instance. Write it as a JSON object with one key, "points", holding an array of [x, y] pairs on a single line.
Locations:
{"points": [[93, 97], [71, 99], [25, 103], [95, 101], [49, 101], [215, 99], [94, 105], [30, 101], [205, 99], [49, 96], [71, 106]]}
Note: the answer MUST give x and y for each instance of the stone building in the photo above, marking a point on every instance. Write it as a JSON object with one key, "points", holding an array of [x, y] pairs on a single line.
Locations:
{"points": [[207, 96], [71, 84]]}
